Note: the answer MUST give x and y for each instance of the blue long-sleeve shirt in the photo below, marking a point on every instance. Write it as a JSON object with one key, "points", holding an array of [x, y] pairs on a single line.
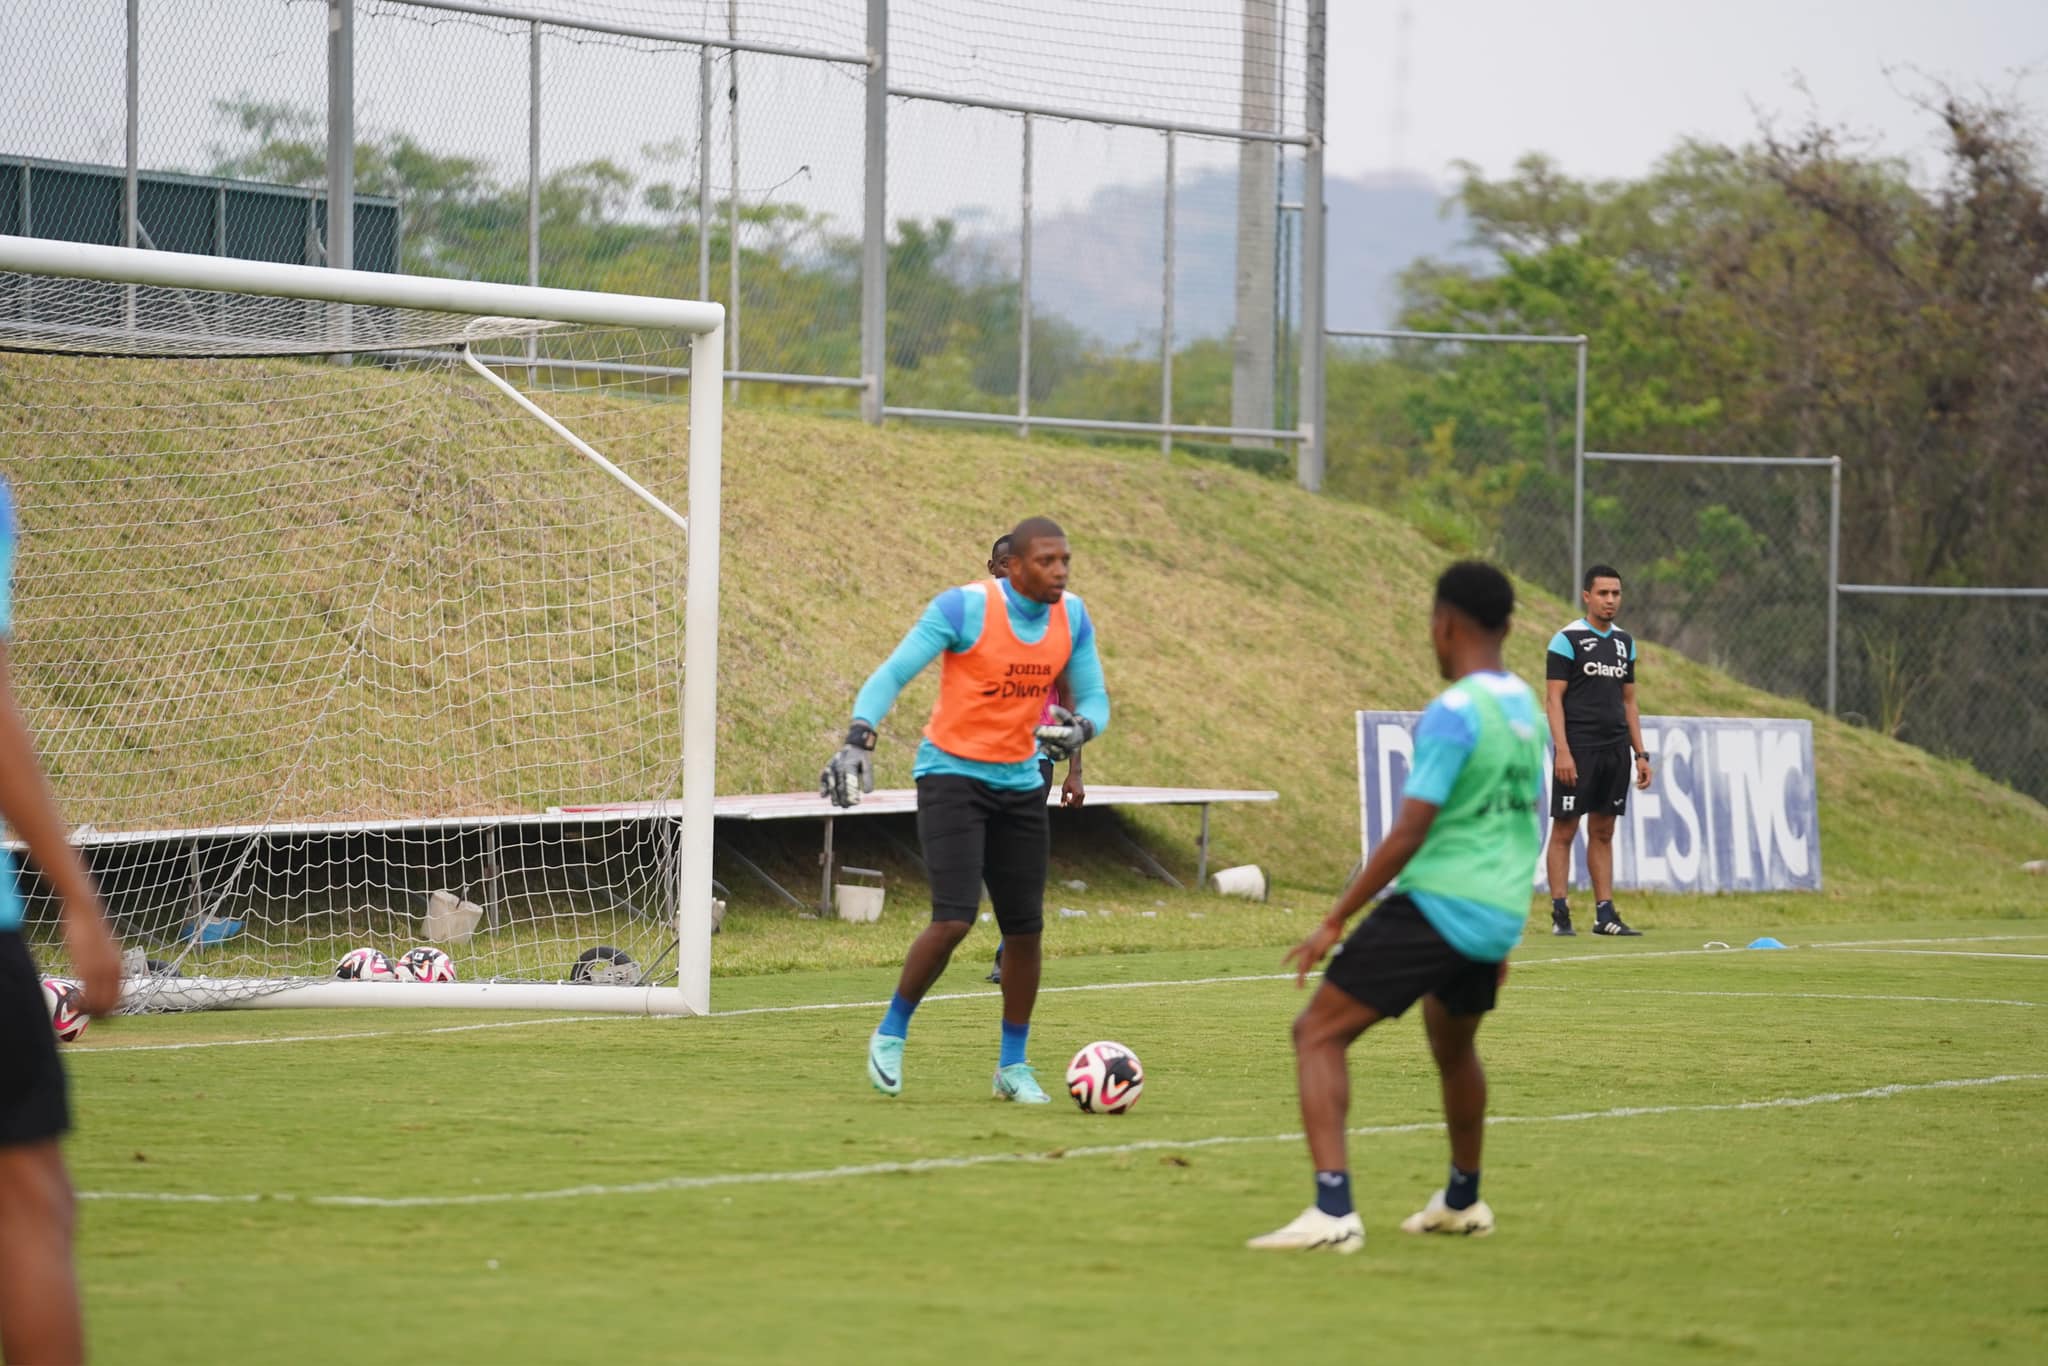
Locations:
{"points": [[953, 622]]}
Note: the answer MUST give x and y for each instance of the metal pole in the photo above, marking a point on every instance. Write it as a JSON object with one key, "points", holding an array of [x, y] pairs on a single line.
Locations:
{"points": [[341, 133], [130, 184], [533, 45], [700, 678], [1313, 451], [1578, 477], [874, 254], [1166, 308], [1252, 371], [704, 173], [1024, 294], [732, 205], [1834, 577]]}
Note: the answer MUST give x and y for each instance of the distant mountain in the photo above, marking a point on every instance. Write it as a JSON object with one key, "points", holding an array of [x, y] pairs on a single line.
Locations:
{"points": [[1100, 267]]}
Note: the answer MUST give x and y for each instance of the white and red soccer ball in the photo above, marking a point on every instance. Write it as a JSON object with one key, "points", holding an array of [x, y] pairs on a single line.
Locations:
{"points": [[365, 965], [426, 965], [1105, 1078], [66, 1001]]}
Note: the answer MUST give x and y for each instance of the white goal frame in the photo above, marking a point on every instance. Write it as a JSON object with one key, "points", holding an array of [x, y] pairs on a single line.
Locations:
{"points": [[704, 322]]}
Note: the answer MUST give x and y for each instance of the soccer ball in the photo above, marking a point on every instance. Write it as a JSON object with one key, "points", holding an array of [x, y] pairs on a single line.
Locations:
{"points": [[1105, 1078], [365, 965], [67, 1008], [427, 965]]}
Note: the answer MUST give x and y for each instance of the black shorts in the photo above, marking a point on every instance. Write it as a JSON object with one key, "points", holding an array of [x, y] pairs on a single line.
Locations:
{"points": [[1602, 790], [32, 1102], [974, 834], [1396, 957]]}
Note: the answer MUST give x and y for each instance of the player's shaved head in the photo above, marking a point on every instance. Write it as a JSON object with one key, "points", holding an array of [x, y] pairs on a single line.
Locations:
{"points": [[1479, 591], [1031, 529]]}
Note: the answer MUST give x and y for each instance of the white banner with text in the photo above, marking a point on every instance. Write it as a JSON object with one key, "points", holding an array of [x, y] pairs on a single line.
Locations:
{"points": [[1731, 806]]}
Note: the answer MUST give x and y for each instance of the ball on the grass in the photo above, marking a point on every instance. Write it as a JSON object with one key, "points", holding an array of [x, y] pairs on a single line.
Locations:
{"points": [[67, 1007], [427, 965], [365, 965], [1105, 1078]]}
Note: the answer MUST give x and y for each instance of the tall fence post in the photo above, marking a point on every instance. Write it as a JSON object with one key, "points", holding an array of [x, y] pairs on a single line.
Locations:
{"points": [[732, 206], [1578, 478], [533, 44], [1313, 448], [341, 133], [1024, 293], [703, 172], [874, 255], [132, 88], [1834, 577], [1166, 309]]}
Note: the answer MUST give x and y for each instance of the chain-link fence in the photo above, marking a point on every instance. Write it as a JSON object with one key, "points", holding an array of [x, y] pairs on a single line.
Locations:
{"points": [[1067, 214]]}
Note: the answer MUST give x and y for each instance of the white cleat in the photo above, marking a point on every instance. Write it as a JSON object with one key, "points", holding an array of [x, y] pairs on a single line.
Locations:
{"points": [[1474, 1221], [1314, 1231]]}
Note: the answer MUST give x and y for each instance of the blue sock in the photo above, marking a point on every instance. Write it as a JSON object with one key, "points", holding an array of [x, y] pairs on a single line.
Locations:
{"points": [[896, 1024], [1462, 1190], [1014, 1039], [1333, 1193], [1560, 906]]}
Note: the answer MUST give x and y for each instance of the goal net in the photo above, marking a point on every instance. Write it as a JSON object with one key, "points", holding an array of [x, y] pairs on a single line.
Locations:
{"points": [[411, 651]]}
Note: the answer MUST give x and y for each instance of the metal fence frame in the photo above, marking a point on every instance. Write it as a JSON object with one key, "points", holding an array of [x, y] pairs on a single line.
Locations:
{"points": [[1832, 463], [1306, 436]]}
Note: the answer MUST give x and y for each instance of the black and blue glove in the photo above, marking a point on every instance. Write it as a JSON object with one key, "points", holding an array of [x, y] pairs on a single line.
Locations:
{"points": [[852, 770], [1064, 734]]}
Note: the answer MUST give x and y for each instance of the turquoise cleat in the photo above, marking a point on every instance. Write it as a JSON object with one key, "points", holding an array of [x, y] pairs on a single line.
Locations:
{"points": [[1017, 1082], [885, 1064]]}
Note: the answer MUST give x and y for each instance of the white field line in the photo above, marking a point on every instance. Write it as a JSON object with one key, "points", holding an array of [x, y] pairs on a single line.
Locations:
{"points": [[329, 1038], [1784, 995], [934, 1164], [1949, 953], [1519, 964]]}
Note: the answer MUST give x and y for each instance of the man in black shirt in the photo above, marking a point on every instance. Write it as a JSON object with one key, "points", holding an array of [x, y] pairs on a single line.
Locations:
{"points": [[1591, 697]]}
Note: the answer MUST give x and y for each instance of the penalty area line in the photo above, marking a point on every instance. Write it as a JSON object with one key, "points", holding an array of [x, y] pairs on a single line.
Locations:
{"points": [[966, 1161], [329, 1038]]}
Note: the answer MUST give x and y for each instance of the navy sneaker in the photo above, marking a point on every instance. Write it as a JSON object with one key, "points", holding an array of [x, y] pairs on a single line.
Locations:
{"points": [[1561, 924], [1611, 924]]}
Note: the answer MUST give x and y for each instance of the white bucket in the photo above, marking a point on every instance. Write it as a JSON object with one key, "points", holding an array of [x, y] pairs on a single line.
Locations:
{"points": [[450, 919], [1246, 880], [858, 902]]}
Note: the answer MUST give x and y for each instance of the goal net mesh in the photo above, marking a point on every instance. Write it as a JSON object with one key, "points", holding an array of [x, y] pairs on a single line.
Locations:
{"points": [[323, 657]]}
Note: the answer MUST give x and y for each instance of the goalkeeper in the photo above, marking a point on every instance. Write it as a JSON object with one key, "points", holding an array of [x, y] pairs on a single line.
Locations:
{"points": [[981, 797]]}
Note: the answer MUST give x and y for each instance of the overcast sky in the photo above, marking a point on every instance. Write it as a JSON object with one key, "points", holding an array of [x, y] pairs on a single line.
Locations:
{"points": [[1606, 86]]}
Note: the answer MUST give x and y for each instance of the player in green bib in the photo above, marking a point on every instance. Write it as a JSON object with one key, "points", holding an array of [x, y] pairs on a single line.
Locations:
{"points": [[1461, 859]]}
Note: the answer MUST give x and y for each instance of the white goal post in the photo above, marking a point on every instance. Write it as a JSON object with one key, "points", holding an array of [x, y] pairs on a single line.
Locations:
{"points": [[315, 652]]}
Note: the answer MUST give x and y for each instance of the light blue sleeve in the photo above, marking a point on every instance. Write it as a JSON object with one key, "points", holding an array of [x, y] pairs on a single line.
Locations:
{"points": [[938, 628], [1084, 669], [1444, 740], [6, 559], [1631, 649], [1561, 645]]}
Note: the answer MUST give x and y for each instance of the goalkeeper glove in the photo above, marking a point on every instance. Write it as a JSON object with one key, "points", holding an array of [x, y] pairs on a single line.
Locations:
{"points": [[1064, 735], [852, 770]]}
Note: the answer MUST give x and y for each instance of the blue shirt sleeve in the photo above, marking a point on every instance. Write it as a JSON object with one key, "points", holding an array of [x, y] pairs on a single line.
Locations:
{"points": [[937, 629], [1444, 740], [6, 559], [1084, 668], [1560, 644]]}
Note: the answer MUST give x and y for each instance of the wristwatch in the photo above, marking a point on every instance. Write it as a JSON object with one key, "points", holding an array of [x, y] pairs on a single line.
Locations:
{"points": [[1643, 755]]}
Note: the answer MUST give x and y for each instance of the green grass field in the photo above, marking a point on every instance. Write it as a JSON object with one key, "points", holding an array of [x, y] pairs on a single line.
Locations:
{"points": [[1831, 1154]]}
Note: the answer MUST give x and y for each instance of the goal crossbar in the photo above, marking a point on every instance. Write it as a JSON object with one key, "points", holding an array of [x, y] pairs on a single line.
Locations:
{"points": [[703, 322]]}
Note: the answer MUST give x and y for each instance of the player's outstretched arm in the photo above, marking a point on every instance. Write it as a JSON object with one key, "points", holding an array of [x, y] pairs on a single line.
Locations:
{"points": [[31, 812], [850, 772]]}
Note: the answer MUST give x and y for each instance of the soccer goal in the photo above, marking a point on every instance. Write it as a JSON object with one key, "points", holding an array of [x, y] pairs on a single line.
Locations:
{"points": [[351, 612]]}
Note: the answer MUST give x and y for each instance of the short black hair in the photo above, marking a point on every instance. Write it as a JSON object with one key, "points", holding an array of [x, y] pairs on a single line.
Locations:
{"points": [[1029, 530], [1480, 591], [995, 552], [1599, 571]]}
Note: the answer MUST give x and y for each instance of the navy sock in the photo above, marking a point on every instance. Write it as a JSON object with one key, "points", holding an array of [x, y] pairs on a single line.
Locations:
{"points": [[1333, 1193], [1560, 905], [1014, 1039], [896, 1024], [1604, 910], [1462, 1190]]}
